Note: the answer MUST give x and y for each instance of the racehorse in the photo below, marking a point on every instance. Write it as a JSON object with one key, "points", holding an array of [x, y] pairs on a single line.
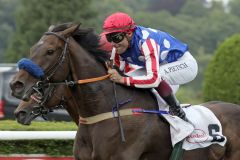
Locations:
{"points": [[71, 52]]}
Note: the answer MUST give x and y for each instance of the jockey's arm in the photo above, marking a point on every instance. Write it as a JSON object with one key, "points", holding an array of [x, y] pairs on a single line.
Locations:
{"points": [[152, 77]]}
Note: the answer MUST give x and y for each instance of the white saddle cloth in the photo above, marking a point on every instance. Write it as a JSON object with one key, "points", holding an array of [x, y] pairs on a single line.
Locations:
{"points": [[202, 130]]}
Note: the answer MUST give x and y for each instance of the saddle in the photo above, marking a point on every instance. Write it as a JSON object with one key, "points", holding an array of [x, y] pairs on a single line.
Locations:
{"points": [[202, 129]]}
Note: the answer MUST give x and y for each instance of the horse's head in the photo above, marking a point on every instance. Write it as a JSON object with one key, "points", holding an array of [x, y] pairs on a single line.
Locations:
{"points": [[48, 62], [57, 97]]}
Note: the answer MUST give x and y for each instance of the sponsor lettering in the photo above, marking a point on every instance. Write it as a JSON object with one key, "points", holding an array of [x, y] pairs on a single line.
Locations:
{"points": [[197, 136], [176, 68]]}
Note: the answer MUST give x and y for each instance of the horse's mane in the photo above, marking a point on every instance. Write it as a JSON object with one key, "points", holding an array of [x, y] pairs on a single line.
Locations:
{"points": [[87, 38]]}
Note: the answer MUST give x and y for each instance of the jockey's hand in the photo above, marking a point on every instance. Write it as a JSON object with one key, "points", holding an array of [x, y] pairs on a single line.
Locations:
{"points": [[115, 76]]}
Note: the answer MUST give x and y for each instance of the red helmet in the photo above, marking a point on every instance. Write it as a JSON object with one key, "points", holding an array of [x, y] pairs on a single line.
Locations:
{"points": [[118, 22]]}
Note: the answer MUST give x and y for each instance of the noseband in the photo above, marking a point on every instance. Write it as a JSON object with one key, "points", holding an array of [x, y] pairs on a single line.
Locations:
{"points": [[62, 57], [40, 85], [40, 109], [44, 88]]}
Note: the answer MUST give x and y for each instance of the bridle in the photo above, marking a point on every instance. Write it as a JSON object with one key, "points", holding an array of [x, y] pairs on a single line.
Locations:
{"points": [[52, 70], [40, 109], [38, 87], [40, 99], [43, 87]]}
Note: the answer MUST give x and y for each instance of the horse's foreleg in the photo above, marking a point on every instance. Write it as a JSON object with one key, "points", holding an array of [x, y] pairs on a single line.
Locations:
{"points": [[81, 147]]}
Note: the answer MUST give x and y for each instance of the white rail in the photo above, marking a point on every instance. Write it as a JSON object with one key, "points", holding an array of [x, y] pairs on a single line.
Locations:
{"points": [[34, 135]]}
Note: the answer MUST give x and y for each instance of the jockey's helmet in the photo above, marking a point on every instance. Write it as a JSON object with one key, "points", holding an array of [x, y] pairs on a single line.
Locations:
{"points": [[118, 22]]}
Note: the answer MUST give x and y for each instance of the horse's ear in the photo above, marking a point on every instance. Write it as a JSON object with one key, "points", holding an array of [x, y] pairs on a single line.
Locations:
{"points": [[51, 28], [70, 31]]}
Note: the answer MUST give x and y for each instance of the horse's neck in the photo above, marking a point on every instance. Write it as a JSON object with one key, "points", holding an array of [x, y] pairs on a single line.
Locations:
{"points": [[72, 107], [90, 97], [84, 65], [98, 97]]}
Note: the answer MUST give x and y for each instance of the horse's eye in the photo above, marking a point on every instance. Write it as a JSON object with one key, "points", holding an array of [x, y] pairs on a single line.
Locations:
{"points": [[50, 51]]}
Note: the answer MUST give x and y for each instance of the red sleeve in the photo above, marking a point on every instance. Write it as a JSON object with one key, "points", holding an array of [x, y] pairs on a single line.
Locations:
{"points": [[152, 78]]}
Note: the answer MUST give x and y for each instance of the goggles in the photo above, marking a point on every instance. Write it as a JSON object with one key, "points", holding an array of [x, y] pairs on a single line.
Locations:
{"points": [[115, 37]]}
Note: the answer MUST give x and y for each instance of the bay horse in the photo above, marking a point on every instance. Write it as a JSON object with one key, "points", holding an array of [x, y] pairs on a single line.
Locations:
{"points": [[71, 52]]}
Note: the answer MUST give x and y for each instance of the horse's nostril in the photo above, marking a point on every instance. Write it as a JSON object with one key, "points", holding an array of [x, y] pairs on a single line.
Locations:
{"points": [[21, 115], [17, 86], [18, 113], [24, 117]]}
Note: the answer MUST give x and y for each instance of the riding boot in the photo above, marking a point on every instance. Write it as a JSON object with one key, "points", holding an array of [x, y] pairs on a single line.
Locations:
{"points": [[165, 91], [174, 106]]}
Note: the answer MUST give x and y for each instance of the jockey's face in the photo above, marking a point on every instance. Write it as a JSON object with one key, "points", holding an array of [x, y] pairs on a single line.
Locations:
{"points": [[122, 44]]}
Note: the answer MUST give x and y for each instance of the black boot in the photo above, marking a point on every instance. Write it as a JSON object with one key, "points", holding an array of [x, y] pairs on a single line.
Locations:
{"points": [[165, 91], [174, 106]]}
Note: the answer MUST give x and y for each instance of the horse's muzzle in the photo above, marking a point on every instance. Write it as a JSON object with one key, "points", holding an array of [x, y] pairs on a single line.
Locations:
{"points": [[17, 88], [20, 91], [24, 117]]}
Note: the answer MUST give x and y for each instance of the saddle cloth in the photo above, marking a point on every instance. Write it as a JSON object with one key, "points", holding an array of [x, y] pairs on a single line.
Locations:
{"points": [[202, 130]]}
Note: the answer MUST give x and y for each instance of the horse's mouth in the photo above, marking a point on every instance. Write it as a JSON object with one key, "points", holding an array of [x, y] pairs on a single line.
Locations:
{"points": [[25, 96], [27, 115], [25, 118]]}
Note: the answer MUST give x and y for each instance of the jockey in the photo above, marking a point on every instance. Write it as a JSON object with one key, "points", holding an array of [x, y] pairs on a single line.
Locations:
{"points": [[166, 61]]}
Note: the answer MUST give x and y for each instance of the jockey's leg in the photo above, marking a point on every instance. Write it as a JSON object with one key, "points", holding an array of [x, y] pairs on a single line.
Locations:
{"points": [[165, 91], [176, 73]]}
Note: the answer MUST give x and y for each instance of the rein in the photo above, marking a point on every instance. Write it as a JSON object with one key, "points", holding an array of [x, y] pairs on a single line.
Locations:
{"points": [[40, 86], [41, 100], [44, 87], [93, 79], [82, 81]]}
